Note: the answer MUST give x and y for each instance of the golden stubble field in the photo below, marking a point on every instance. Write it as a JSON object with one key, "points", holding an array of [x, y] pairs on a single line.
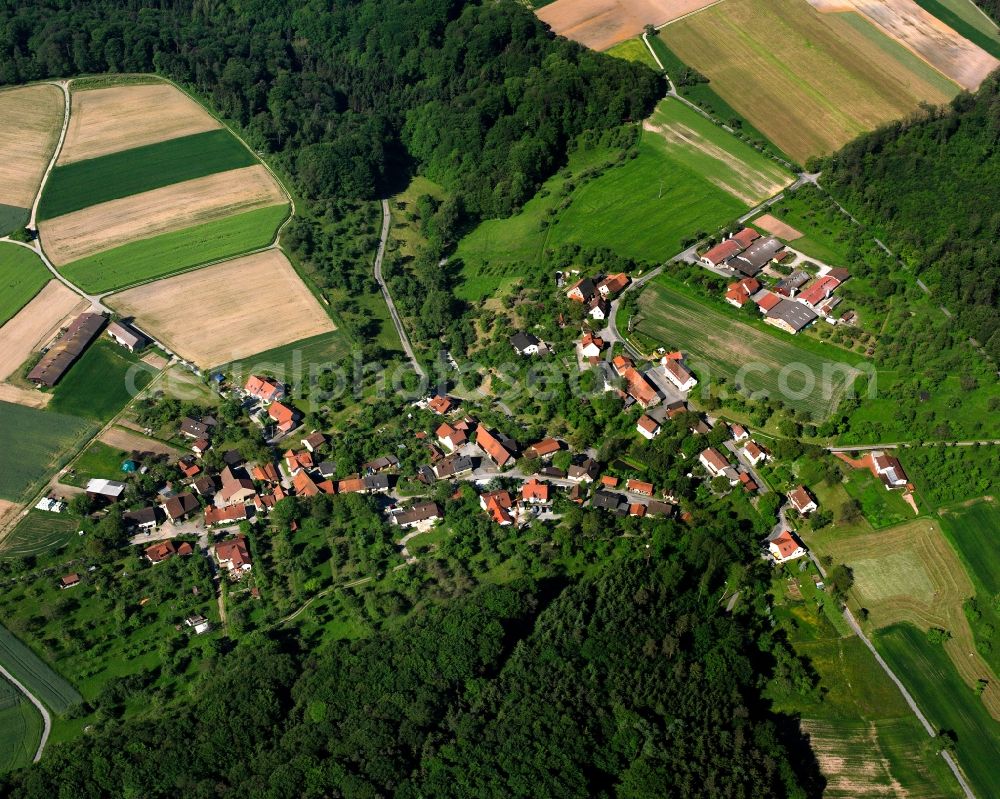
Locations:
{"points": [[104, 121], [910, 573], [599, 24], [35, 324], [30, 121], [181, 205], [810, 82], [233, 310], [925, 35]]}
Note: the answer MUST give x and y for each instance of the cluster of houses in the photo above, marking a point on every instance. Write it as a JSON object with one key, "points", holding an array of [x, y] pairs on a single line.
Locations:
{"points": [[597, 292], [792, 302]]}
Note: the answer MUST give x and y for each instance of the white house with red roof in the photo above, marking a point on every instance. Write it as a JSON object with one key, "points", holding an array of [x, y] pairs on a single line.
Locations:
{"points": [[739, 293], [264, 389], [802, 500], [785, 547], [648, 427]]}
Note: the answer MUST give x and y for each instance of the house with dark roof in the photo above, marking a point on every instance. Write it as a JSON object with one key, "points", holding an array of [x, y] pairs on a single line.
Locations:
{"points": [[421, 515], [582, 290], [788, 286], [70, 346], [144, 519], [609, 501], [525, 343], [790, 316], [180, 506], [755, 257]]}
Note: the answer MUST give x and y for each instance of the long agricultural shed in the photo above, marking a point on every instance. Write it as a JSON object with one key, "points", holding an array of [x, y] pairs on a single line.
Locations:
{"points": [[64, 353]]}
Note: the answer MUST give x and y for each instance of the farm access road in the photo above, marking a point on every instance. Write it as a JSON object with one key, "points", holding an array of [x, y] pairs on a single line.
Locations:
{"points": [[379, 257], [46, 718]]}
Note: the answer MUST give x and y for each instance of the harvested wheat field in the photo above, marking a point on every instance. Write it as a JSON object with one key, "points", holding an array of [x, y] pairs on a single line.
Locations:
{"points": [[909, 573], [774, 226], [925, 35], [32, 119], [35, 324], [181, 205], [810, 82], [229, 311], [129, 441], [599, 24], [104, 121], [24, 396]]}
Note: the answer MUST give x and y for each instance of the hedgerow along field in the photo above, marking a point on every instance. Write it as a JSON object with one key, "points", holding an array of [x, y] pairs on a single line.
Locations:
{"points": [[110, 177], [20, 728], [22, 275], [947, 701], [32, 445], [716, 344], [174, 252], [31, 671], [810, 82]]}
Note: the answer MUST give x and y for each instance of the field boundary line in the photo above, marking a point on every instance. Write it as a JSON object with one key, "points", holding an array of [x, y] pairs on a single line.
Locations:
{"points": [[64, 87], [46, 718], [688, 14]]}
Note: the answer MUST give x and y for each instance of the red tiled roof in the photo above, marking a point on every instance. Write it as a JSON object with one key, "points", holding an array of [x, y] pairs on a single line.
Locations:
{"points": [[786, 544], [799, 497], [768, 301], [818, 290], [609, 481], [640, 487], [304, 485], [234, 513], [546, 446], [715, 459], [351, 485], [637, 509], [282, 414], [639, 388], [489, 443], [440, 405], [234, 551], [535, 489], [723, 252], [612, 284], [263, 388], [746, 237], [648, 424], [157, 553]]}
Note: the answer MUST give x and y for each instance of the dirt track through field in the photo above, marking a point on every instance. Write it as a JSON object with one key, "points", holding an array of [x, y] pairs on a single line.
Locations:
{"points": [[182, 205], [909, 573], [599, 24], [104, 121], [776, 227], [31, 119], [35, 324], [229, 311], [925, 35]]}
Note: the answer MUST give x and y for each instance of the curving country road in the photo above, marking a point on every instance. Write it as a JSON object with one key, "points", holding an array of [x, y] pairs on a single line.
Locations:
{"points": [[46, 718], [403, 338]]}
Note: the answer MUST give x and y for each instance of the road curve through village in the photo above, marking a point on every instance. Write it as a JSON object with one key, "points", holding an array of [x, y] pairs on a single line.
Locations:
{"points": [[46, 718]]}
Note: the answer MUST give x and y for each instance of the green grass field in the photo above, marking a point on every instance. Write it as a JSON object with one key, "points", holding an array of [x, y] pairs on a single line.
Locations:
{"points": [[20, 728], [292, 362], [39, 533], [97, 460], [704, 96], [880, 507], [975, 532], [47, 686], [22, 275], [12, 217], [689, 176], [947, 701], [634, 50], [865, 738], [101, 382], [109, 177], [717, 344], [965, 18], [32, 445], [173, 252]]}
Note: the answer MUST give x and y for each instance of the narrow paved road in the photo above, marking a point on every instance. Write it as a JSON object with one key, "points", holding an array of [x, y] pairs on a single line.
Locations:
{"points": [[46, 718], [403, 338]]}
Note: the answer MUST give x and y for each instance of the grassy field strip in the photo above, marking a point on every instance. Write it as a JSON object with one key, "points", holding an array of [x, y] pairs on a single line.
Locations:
{"points": [[101, 382], [823, 85], [975, 529], [717, 345], [111, 177], [22, 275], [53, 691], [634, 50], [170, 253], [32, 444], [910, 574], [20, 728], [37, 533], [931, 677]]}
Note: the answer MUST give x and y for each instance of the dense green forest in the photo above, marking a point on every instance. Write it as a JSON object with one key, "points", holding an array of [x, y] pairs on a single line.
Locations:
{"points": [[933, 185], [353, 96], [631, 682]]}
